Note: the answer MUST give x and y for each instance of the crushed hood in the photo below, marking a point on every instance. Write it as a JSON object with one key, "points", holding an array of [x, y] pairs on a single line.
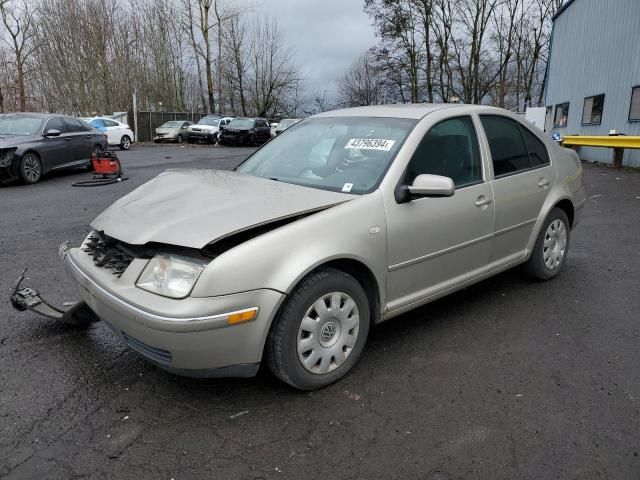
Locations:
{"points": [[192, 208]]}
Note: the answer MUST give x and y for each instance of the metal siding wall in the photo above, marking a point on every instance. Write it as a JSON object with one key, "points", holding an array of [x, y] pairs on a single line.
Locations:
{"points": [[595, 50]]}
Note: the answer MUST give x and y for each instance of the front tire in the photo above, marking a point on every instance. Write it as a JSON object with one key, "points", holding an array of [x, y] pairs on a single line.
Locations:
{"points": [[125, 142], [551, 247], [30, 168], [320, 332], [179, 139]]}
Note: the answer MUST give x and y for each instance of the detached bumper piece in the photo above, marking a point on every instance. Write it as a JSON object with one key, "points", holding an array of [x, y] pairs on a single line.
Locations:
{"points": [[78, 314]]}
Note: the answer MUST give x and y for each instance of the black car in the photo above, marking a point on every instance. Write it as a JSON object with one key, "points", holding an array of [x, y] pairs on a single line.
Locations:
{"points": [[33, 144], [245, 131]]}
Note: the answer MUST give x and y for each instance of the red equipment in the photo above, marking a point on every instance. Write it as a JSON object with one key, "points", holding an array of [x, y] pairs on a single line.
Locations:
{"points": [[107, 170], [107, 164]]}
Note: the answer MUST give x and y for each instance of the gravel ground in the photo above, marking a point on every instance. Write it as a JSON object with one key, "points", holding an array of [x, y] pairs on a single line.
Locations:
{"points": [[506, 379]]}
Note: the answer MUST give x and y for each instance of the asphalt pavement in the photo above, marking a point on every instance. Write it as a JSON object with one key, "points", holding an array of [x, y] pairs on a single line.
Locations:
{"points": [[507, 379]]}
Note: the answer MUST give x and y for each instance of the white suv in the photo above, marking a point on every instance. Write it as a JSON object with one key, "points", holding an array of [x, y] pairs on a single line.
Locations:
{"points": [[207, 129]]}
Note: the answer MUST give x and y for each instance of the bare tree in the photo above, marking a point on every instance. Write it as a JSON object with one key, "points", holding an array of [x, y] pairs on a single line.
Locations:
{"points": [[236, 47], [272, 71], [18, 20], [362, 84]]}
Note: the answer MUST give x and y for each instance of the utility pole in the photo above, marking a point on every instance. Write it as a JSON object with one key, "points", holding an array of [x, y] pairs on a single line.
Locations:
{"points": [[135, 116]]}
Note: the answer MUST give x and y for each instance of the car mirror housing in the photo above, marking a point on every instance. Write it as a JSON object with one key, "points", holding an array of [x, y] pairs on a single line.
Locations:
{"points": [[52, 132], [426, 185]]}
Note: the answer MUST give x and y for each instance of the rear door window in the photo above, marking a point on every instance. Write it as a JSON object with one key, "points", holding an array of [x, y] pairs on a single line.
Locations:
{"points": [[537, 150], [508, 150], [74, 125]]}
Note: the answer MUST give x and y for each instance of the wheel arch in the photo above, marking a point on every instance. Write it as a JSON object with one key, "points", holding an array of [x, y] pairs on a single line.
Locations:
{"points": [[567, 206], [358, 270], [37, 154]]}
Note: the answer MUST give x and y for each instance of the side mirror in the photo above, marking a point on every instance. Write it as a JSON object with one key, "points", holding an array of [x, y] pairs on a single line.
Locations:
{"points": [[426, 186], [52, 132]]}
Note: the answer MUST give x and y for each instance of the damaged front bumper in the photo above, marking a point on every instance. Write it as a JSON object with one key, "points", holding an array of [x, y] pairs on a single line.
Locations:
{"points": [[189, 337], [28, 298]]}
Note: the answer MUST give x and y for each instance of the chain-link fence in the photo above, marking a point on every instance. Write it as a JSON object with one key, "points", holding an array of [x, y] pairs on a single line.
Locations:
{"points": [[149, 121]]}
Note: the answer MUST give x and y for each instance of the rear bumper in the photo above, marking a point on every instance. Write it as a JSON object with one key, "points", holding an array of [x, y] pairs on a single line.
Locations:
{"points": [[165, 138], [235, 139], [202, 136], [191, 344]]}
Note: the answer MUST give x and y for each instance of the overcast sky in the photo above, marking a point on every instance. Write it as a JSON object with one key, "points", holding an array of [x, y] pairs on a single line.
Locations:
{"points": [[327, 36]]}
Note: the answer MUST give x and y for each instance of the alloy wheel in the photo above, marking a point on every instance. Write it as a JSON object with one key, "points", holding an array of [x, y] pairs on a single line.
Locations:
{"points": [[31, 168]]}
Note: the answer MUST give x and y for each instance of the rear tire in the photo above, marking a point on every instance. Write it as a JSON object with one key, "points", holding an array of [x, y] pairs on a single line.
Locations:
{"points": [[125, 142], [30, 168], [97, 151], [551, 247], [320, 332]]}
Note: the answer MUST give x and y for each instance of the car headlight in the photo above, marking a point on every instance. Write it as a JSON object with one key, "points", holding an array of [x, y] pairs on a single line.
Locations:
{"points": [[170, 275], [6, 155]]}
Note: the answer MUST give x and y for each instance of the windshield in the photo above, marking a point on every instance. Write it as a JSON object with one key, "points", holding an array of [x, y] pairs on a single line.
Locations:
{"points": [[19, 125], [171, 125], [344, 154], [241, 122], [209, 121]]}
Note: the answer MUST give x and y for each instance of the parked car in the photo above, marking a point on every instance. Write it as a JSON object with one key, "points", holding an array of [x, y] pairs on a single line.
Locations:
{"points": [[285, 123], [272, 127], [34, 144], [352, 218], [118, 133], [245, 131], [207, 129], [173, 131]]}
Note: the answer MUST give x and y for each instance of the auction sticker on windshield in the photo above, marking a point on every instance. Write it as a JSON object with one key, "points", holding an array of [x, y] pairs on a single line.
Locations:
{"points": [[370, 144]]}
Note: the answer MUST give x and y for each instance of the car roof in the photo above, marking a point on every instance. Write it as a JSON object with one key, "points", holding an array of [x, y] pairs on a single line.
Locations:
{"points": [[411, 110], [34, 114]]}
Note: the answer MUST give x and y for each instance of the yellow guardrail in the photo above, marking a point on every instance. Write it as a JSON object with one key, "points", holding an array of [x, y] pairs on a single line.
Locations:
{"points": [[609, 141]]}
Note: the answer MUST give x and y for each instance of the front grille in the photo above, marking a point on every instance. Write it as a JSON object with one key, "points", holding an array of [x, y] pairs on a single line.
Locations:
{"points": [[156, 354], [107, 253]]}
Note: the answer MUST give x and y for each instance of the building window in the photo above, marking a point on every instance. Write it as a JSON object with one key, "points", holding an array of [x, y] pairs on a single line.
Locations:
{"points": [[562, 115], [634, 111], [592, 110]]}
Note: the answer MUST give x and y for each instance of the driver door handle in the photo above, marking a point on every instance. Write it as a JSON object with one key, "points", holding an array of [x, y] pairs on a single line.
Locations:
{"points": [[483, 201], [543, 182]]}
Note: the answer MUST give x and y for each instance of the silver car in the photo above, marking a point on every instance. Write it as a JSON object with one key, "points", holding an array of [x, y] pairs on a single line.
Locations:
{"points": [[350, 219], [172, 131]]}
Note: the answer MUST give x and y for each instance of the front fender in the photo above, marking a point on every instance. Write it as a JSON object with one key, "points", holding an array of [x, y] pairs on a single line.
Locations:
{"points": [[279, 259]]}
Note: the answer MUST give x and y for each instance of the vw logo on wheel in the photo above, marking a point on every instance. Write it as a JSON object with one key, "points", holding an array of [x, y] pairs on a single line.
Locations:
{"points": [[328, 332]]}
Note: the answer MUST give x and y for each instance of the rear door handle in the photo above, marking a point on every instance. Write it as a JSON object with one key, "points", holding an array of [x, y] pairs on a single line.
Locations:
{"points": [[483, 201], [543, 182]]}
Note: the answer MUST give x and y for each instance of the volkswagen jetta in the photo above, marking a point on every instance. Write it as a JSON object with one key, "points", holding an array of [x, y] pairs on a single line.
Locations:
{"points": [[350, 219]]}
